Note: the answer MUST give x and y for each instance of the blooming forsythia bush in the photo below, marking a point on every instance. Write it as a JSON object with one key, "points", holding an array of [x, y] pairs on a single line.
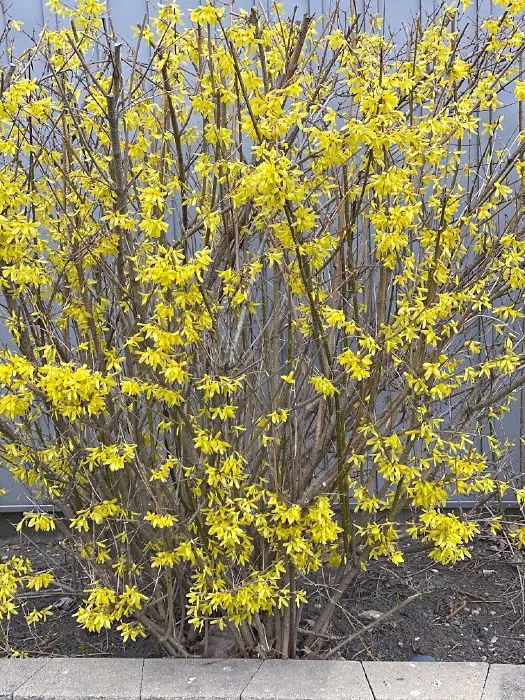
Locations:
{"points": [[244, 268]]}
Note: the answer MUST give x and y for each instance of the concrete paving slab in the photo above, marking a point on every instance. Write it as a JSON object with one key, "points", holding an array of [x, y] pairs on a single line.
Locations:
{"points": [[15, 672], [196, 679], [308, 680], [393, 680], [505, 682], [84, 679]]}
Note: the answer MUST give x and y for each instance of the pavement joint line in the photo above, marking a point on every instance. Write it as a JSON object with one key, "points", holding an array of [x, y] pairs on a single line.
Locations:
{"points": [[508, 680], [368, 680], [141, 678], [485, 683], [256, 671], [26, 678], [37, 670]]}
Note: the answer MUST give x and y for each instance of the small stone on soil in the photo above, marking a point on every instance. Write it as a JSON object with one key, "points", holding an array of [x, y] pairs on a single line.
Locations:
{"points": [[370, 615]]}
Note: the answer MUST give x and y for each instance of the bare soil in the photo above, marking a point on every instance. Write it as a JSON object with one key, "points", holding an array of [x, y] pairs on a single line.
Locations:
{"points": [[473, 611]]}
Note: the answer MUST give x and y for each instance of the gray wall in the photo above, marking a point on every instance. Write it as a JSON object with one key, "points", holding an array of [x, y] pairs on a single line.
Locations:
{"points": [[127, 12]]}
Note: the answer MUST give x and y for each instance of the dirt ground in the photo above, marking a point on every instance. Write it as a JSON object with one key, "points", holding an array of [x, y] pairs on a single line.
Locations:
{"points": [[473, 611]]}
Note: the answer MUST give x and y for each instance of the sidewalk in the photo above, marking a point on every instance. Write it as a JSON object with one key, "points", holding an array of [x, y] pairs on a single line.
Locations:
{"points": [[237, 679]]}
